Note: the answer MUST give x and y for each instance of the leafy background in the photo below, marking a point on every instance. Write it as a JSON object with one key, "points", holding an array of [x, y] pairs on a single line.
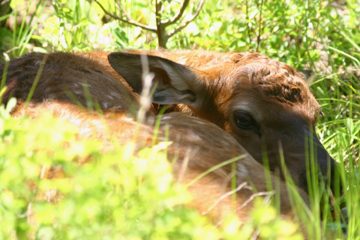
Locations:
{"points": [[320, 38]]}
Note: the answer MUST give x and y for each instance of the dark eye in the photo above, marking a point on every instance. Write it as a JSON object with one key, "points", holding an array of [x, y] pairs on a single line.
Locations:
{"points": [[245, 121]]}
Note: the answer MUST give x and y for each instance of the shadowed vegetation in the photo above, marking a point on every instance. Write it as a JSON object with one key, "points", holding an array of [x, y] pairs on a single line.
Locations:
{"points": [[319, 38]]}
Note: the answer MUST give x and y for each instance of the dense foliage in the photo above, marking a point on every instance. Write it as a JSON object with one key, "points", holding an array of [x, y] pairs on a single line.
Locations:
{"points": [[97, 200]]}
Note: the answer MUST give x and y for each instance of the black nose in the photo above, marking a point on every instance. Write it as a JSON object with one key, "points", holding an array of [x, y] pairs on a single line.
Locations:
{"points": [[329, 170], [322, 168], [331, 180]]}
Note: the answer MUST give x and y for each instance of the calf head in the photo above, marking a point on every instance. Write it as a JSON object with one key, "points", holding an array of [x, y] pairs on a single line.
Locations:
{"points": [[264, 104]]}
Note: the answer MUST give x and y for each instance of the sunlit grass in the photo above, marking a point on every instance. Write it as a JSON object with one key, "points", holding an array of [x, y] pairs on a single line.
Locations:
{"points": [[55, 185], [100, 201]]}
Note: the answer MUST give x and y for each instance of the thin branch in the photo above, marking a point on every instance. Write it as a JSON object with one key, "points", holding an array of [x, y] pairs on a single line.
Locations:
{"points": [[160, 28], [179, 15], [127, 20], [223, 196], [258, 39], [253, 196], [184, 25], [158, 6], [118, 5], [248, 27]]}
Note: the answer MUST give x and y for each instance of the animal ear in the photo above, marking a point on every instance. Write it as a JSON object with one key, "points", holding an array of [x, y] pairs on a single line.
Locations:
{"points": [[175, 83]]}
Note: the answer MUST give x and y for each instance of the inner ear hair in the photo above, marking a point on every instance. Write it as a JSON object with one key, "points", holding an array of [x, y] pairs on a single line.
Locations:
{"points": [[176, 83]]}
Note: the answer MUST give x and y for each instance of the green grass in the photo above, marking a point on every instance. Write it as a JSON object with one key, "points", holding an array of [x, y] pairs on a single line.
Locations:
{"points": [[114, 194], [317, 36]]}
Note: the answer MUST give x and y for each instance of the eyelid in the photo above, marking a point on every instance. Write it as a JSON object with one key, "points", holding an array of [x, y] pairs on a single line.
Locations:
{"points": [[249, 107], [248, 115]]}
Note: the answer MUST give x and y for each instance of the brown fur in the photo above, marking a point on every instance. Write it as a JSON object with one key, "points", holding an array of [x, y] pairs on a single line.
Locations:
{"points": [[204, 145], [62, 79], [274, 93]]}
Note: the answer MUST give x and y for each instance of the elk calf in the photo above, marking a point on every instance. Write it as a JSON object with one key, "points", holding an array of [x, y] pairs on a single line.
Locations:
{"points": [[265, 105], [197, 145]]}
